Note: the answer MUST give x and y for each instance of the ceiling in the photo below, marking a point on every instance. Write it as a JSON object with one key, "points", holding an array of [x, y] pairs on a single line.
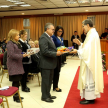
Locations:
{"points": [[15, 7]]}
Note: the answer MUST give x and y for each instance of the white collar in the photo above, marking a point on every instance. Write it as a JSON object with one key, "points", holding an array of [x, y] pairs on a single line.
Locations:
{"points": [[23, 41], [48, 35]]}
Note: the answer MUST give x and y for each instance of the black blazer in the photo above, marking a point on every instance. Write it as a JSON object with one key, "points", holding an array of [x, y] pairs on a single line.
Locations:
{"points": [[24, 49], [73, 37], [48, 59]]}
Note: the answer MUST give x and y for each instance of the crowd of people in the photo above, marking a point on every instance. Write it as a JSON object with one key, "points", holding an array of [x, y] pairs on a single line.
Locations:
{"points": [[48, 60]]}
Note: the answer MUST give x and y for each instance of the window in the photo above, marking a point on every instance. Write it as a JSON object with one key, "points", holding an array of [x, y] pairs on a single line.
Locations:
{"points": [[26, 25]]}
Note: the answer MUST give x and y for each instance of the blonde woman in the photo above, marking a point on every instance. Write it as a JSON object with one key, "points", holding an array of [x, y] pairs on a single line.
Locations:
{"points": [[14, 60], [26, 61], [36, 43]]}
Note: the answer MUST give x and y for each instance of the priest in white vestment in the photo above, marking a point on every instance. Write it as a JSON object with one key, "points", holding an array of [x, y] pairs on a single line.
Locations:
{"points": [[90, 81]]}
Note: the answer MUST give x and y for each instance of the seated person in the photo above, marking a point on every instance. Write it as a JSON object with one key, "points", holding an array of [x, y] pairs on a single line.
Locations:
{"points": [[35, 58], [36, 42], [104, 35], [73, 37]]}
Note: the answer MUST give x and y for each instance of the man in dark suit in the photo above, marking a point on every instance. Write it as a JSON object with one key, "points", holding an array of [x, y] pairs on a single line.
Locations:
{"points": [[75, 36], [48, 61]]}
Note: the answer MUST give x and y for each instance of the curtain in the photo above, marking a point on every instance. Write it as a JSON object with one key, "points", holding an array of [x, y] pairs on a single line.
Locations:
{"points": [[71, 24], [37, 25], [11, 23], [106, 24], [100, 23], [0, 28]]}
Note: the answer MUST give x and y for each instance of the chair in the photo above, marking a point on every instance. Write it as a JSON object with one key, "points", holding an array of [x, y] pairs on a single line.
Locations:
{"points": [[35, 74], [1, 103], [1, 67], [11, 91]]}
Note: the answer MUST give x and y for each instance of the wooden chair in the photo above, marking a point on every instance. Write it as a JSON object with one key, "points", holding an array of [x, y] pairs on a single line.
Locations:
{"points": [[35, 74], [1, 103], [11, 91]]}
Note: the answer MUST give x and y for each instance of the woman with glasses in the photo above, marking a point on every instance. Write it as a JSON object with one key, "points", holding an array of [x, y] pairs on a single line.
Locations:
{"points": [[58, 40]]}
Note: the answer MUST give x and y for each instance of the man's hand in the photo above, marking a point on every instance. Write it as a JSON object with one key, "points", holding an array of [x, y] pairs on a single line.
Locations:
{"points": [[59, 53], [74, 51], [77, 41]]}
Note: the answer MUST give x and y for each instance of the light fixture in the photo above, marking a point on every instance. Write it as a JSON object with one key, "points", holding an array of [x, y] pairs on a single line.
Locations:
{"points": [[4, 6], [25, 5], [86, 10], [22, 13], [19, 3]]}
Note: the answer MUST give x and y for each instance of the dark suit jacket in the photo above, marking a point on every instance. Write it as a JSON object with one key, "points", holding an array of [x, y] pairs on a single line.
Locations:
{"points": [[48, 59], [34, 65], [73, 37]]}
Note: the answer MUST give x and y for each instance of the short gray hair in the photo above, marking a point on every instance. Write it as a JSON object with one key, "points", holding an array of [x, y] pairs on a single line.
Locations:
{"points": [[88, 21], [47, 25]]}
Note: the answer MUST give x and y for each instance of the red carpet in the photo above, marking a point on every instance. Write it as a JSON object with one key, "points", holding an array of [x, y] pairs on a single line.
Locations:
{"points": [[74, 98]]}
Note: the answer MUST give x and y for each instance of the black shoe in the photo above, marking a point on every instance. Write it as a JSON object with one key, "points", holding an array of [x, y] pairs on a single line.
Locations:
{"points": [[60, 90], [52, 97], [25, 90], [64, 63], [22, 98], [87, 102], [28, 88], [17, 100], [48, 100]]}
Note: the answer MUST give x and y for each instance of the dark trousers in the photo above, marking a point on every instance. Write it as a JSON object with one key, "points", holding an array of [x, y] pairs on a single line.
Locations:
{"points": [[57, 73], [75, 46], [24, 76], [47, 76], [15, 84], [63, 57]]}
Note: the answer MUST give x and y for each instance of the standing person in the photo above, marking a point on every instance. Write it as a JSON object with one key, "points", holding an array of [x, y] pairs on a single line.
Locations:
{"points": [[58, 40], [75, 36], [48, 61], [90, 81], [83, 36], [26, 61], [14, 60]]}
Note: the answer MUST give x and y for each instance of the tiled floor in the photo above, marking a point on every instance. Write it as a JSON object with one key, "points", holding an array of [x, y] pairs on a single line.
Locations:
{"points": [[33, 99]]}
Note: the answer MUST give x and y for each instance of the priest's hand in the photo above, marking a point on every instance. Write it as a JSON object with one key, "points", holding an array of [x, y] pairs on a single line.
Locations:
{"points": [[77, 41], [74, 51]]}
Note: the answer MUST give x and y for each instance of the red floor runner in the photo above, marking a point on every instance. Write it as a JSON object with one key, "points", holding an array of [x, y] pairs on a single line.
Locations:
{"points": [[74, 98]]}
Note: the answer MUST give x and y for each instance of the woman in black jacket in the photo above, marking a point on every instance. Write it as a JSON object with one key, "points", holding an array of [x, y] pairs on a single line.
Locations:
{"points": [[26, 61]]}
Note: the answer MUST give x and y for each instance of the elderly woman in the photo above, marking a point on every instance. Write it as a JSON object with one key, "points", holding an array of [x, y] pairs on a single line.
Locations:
{"points": [[36, 42], [14, 60]]}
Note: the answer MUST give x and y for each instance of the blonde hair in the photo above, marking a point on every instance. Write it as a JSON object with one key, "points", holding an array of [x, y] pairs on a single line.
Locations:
{"points": [[36, 42], [11, 35]]}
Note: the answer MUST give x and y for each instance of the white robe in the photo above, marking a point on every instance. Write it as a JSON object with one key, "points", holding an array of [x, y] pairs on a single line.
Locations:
{"points": [[90, 81]]}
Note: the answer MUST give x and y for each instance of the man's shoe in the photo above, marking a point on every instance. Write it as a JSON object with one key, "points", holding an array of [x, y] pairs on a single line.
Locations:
{"points": [[53, 97], [48, 100], [26, 90], [87, 102]]}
